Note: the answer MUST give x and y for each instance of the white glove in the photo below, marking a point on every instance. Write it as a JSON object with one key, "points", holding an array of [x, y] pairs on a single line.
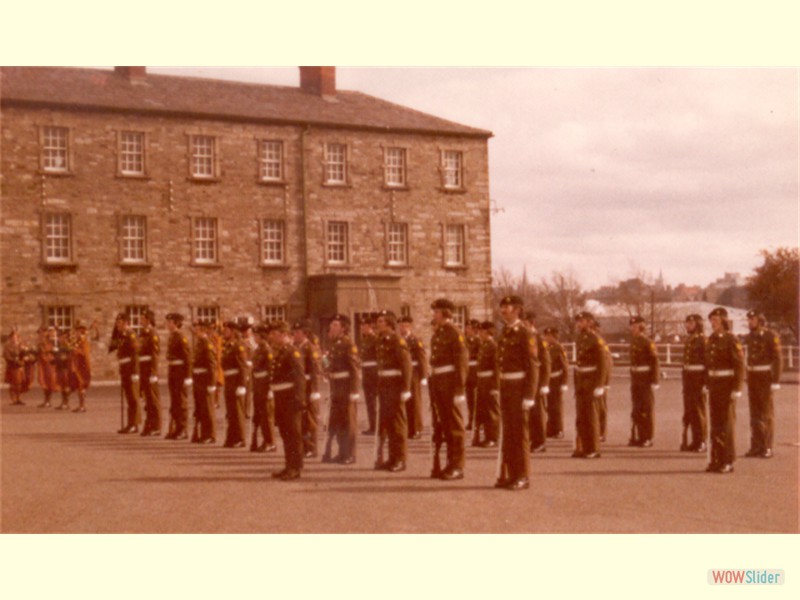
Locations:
{"points": [[654, 386], [241, 390], [354, 397], [528, 404], [598, 391], [460, 399], [775, 387], [187, 382], [544, 390], [211, 389], [249, 363], [405, 396], [423, 381], [705, 389], [153, 379], [135, 378], [564, 389], [315, 396], [736, 395]]}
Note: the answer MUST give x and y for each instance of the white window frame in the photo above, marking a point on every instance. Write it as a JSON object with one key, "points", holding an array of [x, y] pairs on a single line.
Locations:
{"points": [[273, 242], [270, 160], [455, 245], [337, 242], [273, 312], [133, 239], [206, 314], [59, 316], [460, 316], [203, 156], [57, 238], [335, 164], [394, 167], [205, 241], [135, 312], [397, 244], [453, 169], [131, 152], [55, 149]]}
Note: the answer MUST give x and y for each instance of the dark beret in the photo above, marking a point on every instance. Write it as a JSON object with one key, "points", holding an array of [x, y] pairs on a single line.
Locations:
{"points": [[344, 319], [635, 320], [512, 300], [443, 304], [718, 312]]}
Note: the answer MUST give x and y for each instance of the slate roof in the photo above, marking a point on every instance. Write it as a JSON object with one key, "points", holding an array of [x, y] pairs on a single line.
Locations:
{"points": [[105, 90]]}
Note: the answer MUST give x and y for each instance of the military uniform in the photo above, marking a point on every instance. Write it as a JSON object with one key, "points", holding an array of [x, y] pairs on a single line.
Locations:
{"points": [[128, 360], [487, 415], [204, 379], [62, 353], [81, 363], [763, 371], [419, 364], [695, 379], [149, 351], [14, 355], [449, 365], [179, 371], [394, 389], [473, 343], [538, 414], [559, 373], [590, 374], [263, 401], [235, 370], [309, 355], [343, 373], [46, 369], [644, 376], [369, 375], [602, 404], [288, 383]]}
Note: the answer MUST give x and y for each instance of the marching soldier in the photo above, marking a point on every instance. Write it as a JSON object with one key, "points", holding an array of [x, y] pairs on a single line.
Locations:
{"points": [[81, 362], [179, 377], [449, 364], [725, 367], [419, 377], [369, 370], [287, 383], [149, 352], [263, 400], [559, 374], [473, 342], [538, 414], [394, 390], [62, 358], [644, 382], [695, 380], [310, 357], [123, 341], [589, 379], [763, 376], [343, 374], [487, 415], [518, 368], [234, 368], [204, 380]]}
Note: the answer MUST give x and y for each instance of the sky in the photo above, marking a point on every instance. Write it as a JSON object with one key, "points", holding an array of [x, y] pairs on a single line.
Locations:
{"points": [[611, 173]]}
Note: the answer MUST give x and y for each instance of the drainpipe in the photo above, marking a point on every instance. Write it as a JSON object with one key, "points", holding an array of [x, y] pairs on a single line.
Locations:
{"points": [[304, 205]]}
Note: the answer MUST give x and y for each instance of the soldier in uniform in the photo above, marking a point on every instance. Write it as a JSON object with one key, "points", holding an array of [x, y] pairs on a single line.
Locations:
{"points": [[725, 367], [149, 352], [602, 404], [644, 382], [81, 363], [473, 342], [447, 383], [369, 370], [287, 383], [518, 367], [537, 419], [695, 380], [559, 373], [310, 357], [204, 379], [235, 370], [217, 342], [487, 415], [62, 353], [764, 367], [343, 374], [46, 368], [123, 341], [179, 377], [14, 355], [263, 399], [419, 377], [589, 378], [394, 391]]}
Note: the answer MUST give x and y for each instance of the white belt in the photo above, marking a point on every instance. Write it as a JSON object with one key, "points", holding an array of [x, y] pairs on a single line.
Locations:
{"points": [[279, 387], [370, 363], [513, 376], [340, 375], [556, 374], [694, 368], [199, 371], [122, 361], [485, 373], [760, 368], [585, 369], [260, 374], [145, 358], [230, 372], [390, 373], [444, 369], [640, 369], [175, 363], [473, 363], [721, 373]]}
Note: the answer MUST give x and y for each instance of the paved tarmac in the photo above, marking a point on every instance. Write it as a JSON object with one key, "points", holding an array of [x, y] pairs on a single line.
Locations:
{"points": [[71, 473]]}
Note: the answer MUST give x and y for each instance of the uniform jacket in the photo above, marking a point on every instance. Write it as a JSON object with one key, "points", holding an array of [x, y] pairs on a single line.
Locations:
{"points": [[694, 355], [204, 362], [287, 367], [764, 349], [517, 351], [448, 348], [178, 350], [127, 350], [149, 351], [419, 358], [234, 358], [487, 362], [344, 359], [643, 354], [393, 354], [559, 366], [724, 352], [590, 355]]}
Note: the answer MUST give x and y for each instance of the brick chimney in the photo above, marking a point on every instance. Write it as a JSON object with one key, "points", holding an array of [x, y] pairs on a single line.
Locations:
{"points": [[132, 73], [318, 80]]}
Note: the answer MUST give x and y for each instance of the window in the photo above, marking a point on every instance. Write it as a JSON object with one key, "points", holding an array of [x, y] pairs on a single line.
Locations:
{"points": [[57, 238], [335, 163], [337, 242], [55, 149], [452, 166], [203, 156], [134, 239], [397, 242], [394, 166], [274, 312], [271, 161], [59, 317], [131, 153], [460, 317], [272, 242], [206, 314], [135, 312], [205, 240], [454, 246]]}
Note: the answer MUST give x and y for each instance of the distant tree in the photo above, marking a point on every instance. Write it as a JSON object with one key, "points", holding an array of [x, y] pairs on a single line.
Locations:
{"points": [[561, 297], [773, 288]]}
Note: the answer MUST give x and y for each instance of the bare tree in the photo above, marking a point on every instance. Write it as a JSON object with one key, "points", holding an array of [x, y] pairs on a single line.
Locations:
{"points": [[562, 297]]}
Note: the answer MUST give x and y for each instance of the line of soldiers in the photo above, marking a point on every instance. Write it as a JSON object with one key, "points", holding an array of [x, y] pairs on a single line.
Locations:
{"points": [[61, 362]]}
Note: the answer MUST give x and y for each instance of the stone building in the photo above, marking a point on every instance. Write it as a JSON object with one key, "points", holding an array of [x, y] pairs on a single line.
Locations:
{"points": [[127, 190]]}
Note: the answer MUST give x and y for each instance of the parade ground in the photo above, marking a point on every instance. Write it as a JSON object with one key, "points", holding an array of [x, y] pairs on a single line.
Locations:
{"points": [[72, 473]]}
